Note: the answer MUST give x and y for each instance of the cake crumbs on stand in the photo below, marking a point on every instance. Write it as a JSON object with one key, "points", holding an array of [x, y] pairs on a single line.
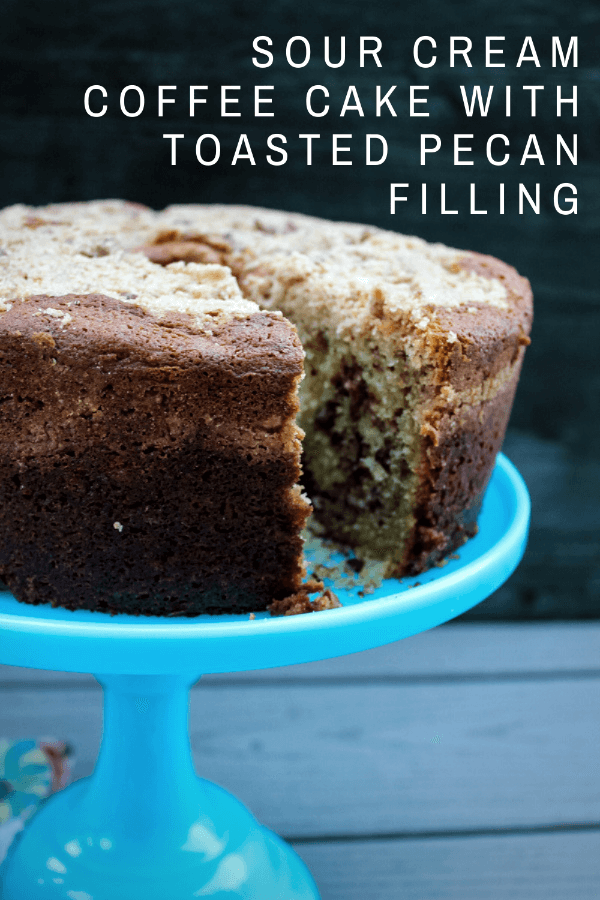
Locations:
{"points": [[300, 602], [348, 571]]}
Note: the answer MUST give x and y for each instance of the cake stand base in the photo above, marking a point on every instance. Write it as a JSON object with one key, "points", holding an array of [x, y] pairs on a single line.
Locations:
{"points": [[144, 826]]}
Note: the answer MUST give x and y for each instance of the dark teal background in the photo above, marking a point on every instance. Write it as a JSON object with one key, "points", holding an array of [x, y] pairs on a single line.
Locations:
{"points": [[50, 150]]}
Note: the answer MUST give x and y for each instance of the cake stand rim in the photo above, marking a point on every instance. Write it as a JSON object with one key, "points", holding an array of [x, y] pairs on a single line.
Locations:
{"points": [[465, 585]]}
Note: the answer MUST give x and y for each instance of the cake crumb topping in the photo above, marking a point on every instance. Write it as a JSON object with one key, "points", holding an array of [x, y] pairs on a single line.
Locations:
{"points": [[96, 249]]}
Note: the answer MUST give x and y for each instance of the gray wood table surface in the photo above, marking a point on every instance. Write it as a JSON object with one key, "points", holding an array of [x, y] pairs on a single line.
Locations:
{"points": [[460, 764]]}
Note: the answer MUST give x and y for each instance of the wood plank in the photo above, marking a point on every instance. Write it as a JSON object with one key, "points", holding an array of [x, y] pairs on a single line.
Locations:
{"points": [[374, 759], [472, 649], [532, 867]]}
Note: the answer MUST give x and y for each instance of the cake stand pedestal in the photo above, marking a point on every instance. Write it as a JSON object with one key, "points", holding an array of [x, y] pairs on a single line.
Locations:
{"points": [[144, 826]]}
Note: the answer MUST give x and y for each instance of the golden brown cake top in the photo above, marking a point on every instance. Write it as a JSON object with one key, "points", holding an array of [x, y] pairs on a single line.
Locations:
{"points": [[345, 262], [362, 282], [94, 248], [364, 278]]}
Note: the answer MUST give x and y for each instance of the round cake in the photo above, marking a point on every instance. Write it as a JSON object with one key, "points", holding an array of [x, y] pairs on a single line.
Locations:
{"points": [[153, 366]]}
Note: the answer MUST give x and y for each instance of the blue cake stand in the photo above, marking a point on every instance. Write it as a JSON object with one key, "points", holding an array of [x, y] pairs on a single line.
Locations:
{"points": [[144, 826]]}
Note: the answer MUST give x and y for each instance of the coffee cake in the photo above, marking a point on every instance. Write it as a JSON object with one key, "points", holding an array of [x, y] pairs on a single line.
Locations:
{"points": [[150, 458]]}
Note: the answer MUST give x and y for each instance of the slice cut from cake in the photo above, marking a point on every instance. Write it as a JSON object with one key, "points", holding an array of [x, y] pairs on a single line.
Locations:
{"points": [[149, 456]]}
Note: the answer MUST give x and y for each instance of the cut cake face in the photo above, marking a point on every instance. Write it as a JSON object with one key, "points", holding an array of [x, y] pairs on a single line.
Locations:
{"points": [[150, 460], [413, 353]]}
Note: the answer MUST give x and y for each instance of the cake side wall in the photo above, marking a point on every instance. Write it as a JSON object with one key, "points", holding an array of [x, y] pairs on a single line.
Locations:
{"points": [[148, 480], [458, 457], [478, 357]]}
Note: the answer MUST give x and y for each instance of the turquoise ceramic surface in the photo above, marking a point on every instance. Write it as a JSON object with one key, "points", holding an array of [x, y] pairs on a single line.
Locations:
{"points": [[144, 826]]}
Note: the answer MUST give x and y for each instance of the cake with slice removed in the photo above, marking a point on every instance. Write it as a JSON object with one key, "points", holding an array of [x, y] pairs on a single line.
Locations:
{"points": [[149, 456]]}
